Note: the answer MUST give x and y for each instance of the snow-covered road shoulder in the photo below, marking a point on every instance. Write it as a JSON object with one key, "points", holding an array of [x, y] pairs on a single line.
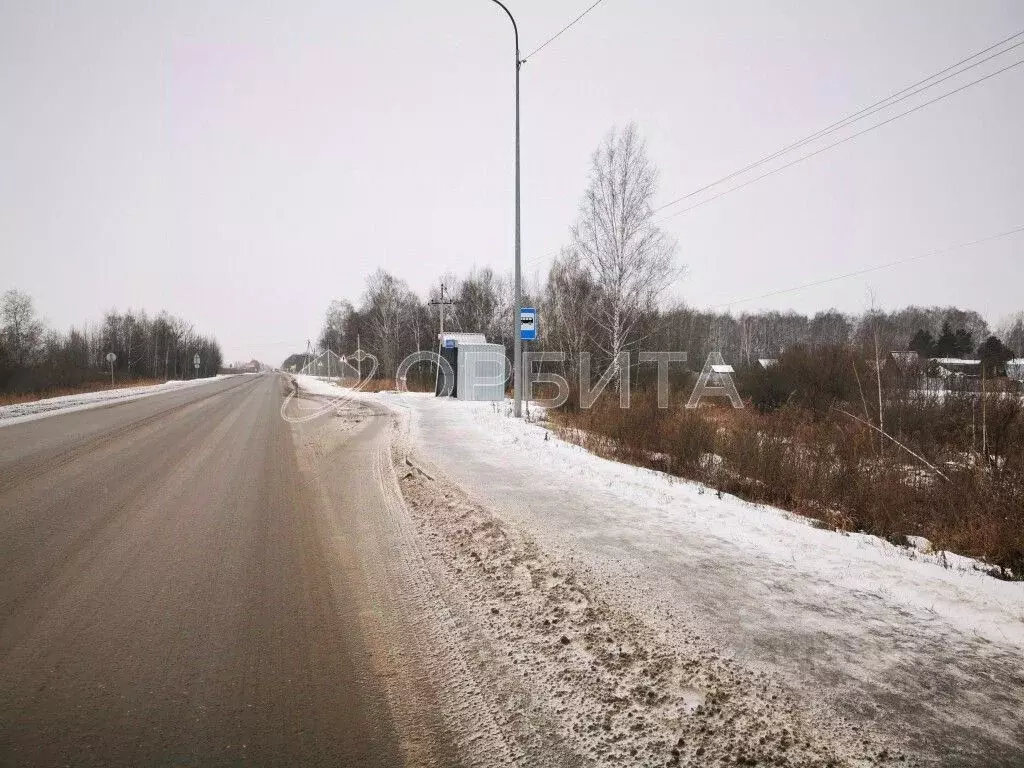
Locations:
{"points": [[653, 507], [38, 409], [489, 452], [925, 647]]}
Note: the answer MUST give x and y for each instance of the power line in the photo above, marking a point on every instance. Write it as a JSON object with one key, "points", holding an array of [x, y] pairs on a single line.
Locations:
{"points": [[885, 103], [841, 141], [827, 147], [562, 31], [853, 117], [876, 268]]}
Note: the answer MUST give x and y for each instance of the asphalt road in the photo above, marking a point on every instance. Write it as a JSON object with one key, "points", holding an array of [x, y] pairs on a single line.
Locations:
{"points": [[177, 589]]}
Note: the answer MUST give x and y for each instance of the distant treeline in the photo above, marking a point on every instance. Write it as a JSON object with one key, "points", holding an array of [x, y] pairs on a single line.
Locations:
{"points": [[34, 358], [391, 322], [605, 294]]}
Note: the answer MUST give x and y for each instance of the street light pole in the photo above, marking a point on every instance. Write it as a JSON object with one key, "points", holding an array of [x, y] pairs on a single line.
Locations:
{"points": [[517, 364]]}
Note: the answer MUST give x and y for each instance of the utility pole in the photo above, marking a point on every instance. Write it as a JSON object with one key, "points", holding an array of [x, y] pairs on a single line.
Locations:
{"points": [[517, 372], [440, 303], [984, 418]]}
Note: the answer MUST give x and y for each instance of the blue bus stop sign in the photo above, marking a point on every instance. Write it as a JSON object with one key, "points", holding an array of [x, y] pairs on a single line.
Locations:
{"points": [[528, 324]]}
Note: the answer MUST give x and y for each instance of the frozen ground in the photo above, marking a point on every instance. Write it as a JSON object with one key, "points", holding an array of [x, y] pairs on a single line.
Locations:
{"points": [[925, 657], [12, 414]]}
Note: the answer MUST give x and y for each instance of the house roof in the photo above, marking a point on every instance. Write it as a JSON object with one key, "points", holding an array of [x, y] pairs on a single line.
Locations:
{"points": [[954, 361]]}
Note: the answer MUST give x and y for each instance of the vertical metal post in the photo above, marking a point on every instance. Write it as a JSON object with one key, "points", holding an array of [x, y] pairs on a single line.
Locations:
{"points": [[517, 379], [440, 338], [517, 362]]}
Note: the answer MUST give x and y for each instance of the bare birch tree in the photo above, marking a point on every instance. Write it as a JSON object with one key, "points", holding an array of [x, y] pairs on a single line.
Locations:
{"points": [[569, 291], [389, 305], [332, 336], [630, 260], [480, 303], [22, 330]]}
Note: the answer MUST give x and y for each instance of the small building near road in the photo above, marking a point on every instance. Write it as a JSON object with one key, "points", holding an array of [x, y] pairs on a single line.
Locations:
{"points": [[481, 373], [480, 368]]}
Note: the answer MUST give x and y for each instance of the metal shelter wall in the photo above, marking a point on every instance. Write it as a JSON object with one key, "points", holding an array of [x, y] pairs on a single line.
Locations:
{"points": [[480, 372]]}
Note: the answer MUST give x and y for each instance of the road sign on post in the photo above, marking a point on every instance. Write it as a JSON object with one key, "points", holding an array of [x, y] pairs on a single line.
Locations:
{"points": [[195, 363], [111, 357], [528, 324]]}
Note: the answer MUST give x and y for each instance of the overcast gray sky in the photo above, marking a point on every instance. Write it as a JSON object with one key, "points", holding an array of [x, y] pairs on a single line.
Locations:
{"points": [[243, 163]]}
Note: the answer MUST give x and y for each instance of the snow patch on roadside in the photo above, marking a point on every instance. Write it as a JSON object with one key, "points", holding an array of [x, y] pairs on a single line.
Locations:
{"points": [[37, 409], [652, 507], [851, 624], [619, 693]]}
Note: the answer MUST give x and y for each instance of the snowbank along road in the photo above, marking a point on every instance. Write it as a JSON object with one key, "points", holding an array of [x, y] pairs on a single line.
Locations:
{"points": [[649, 618]]}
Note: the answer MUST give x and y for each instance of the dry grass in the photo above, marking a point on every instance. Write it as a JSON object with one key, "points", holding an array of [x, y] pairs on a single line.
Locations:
{"points": [[9, 398], [832, 468]]}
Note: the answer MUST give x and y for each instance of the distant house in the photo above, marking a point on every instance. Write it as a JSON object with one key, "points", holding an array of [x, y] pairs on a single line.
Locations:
{"points": [[1015, 368], [947, 367]]}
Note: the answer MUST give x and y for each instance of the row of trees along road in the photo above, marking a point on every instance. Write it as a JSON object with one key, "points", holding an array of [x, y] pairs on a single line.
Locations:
{"points": [[34, 358], [619, 263], [606, 292]]}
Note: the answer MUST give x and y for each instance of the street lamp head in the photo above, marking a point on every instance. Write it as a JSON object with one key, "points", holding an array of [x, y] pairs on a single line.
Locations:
{"points": [[515, 28]]}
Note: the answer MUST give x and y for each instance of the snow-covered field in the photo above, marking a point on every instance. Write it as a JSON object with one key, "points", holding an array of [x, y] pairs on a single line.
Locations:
{"points": [[925, 647], [12, 414]]}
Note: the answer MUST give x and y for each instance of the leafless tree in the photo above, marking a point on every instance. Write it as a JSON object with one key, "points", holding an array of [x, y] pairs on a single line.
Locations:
{"points": [[22, 330], [389, 305], [332, 336], [630, 260], [34, 359], [481, 303], [568, 295], [1011, 332]]}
